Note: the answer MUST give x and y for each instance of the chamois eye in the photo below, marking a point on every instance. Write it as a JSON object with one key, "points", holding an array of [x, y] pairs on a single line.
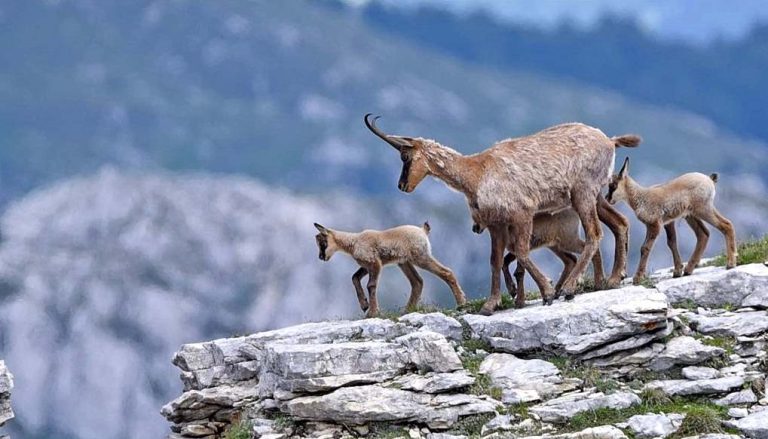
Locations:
{"points": [[403, 156]]}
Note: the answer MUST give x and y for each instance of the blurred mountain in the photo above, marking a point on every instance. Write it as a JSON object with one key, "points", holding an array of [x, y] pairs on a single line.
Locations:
{"points": [[720, 80], [277, 90]]}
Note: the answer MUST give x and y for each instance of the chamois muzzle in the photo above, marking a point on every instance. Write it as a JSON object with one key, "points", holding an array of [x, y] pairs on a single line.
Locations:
{"points": [[371, 124]]}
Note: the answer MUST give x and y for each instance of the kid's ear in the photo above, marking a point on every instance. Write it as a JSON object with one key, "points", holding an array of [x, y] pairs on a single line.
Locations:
{"points": [[624, 168], [321, 229]]}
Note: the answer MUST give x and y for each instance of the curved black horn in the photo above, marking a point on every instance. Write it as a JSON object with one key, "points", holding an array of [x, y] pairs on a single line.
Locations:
{"points": [[371, 124]]}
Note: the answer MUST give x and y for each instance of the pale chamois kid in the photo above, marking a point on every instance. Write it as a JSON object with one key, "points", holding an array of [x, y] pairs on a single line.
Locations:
{"points": [[690, 196], [406, 246], [559, 232]]}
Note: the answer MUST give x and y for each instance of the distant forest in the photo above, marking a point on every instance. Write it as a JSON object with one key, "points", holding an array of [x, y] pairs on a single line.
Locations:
{"points": [[725, 81]]}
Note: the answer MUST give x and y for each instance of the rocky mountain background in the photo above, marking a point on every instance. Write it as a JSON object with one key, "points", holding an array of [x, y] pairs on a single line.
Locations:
{"points": [[162, 162]]}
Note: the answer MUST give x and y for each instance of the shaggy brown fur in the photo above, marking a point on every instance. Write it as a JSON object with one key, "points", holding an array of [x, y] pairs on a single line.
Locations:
{"points": [[690, 196], [406, 246], [559, 167], [559, 233]]}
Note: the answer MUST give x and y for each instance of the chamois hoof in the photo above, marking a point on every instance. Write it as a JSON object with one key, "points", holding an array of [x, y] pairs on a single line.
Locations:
{"points": [[519, 305], [612, 283], [372, 313], [730, 266], [485, 311], [638, 280], [570, 296], [677, 274], [549, 300]]}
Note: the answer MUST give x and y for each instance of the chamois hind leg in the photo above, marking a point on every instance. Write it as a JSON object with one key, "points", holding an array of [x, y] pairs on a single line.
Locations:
{"points": [[522, 228], [520, 290], [433, 266], [417, 285], [619, 226], [373, 281], [569, 261], [651, 233], [702, 237], [577, 246], [586, 208], [725, 227], [356, 278], [672, 244], [508, 260]]}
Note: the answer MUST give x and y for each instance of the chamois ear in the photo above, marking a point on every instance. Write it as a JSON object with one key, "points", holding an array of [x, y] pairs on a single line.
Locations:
{"points": [[321, 229], [624, 168]]}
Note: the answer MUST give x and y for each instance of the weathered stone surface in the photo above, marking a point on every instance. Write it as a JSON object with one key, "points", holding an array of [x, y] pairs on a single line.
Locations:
{"points": [[231, 360], [438, 322], [754, 426], [445, 436], [523, 380], [602, 432], [738, 412], [6, 386], [430, 352], [745, 285], [194, 405], [373, 403], [733, 324], [700, 373], [590, 321], [655, 425], [499, 423], [684, 350], [640, 356], [699, 387], [561, 409], [746, 396], [434, 382]]}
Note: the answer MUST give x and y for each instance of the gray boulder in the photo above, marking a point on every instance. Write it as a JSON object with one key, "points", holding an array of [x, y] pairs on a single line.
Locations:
{"points": [[684, 350], [698, 387], [700, 373], [754, 426], [438, 322], [434, 382], [523, 380], [561, 409], [745, 285], [733, 324], [499, 423], [373, 403], [653, 425], [195, 405], [602, 432], [590, 321], [746, 396], [6, 386]]}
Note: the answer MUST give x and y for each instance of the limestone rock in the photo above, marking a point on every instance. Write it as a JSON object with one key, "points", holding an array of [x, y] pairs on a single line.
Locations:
{"points": [[561, 409], [438, 322], [745, 285], [746, 396], [499, 423], [590, 321], [700, 373], [523, 380], [655, 425], [363, 404], [430, 352], [738, 412], [434, 382], [602, 432], [754, 426], [684, 350], [6, 386], [195, 405], [733, 324], [698, 387]]}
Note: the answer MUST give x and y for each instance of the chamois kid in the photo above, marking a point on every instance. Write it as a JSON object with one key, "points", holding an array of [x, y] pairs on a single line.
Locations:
{"points": [[690, 196], [559, 232], [406, 246], [509, 183]]}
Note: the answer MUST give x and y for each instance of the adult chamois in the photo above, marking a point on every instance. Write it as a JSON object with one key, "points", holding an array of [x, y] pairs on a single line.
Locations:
{"points": [[560, 167]]}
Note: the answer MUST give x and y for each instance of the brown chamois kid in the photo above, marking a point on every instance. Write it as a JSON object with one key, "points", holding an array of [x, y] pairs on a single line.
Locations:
{"points": [[406, 246], [509, 183], [559, 232], [690, 196]]}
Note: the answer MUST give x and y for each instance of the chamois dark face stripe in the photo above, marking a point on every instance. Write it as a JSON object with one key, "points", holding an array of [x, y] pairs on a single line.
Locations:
{"points": [[403, 183], [322, 243]]}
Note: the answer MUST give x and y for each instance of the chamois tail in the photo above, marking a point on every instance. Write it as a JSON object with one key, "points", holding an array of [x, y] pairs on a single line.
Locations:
{"points": [[627, 140]]}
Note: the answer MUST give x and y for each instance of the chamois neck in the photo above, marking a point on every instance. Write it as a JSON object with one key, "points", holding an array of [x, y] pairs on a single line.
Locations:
{"points": [[635, 193], [451, 167], [345, 240]]}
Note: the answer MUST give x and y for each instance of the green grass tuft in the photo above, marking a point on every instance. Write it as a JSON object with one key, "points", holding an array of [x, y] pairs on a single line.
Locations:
{"points": [[241, 430], [470, 425], [701, 420], [385, 430], [750, 252], [720, 341]]}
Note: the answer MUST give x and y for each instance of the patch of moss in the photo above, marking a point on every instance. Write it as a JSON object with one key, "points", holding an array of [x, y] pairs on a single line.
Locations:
{"points": [[750, 252], [470, 425], [385, 430], [721, 341], [241, 430]]}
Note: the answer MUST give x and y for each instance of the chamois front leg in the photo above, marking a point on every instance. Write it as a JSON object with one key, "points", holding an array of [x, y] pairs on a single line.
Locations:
{"points": [[356, 278], [702, 237], [508, 280], [586, 208], [569, 261], [651, 233], [417, 285], [619, 227], [522, 227], [672, 244], [373, 282], [498, 244]]}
